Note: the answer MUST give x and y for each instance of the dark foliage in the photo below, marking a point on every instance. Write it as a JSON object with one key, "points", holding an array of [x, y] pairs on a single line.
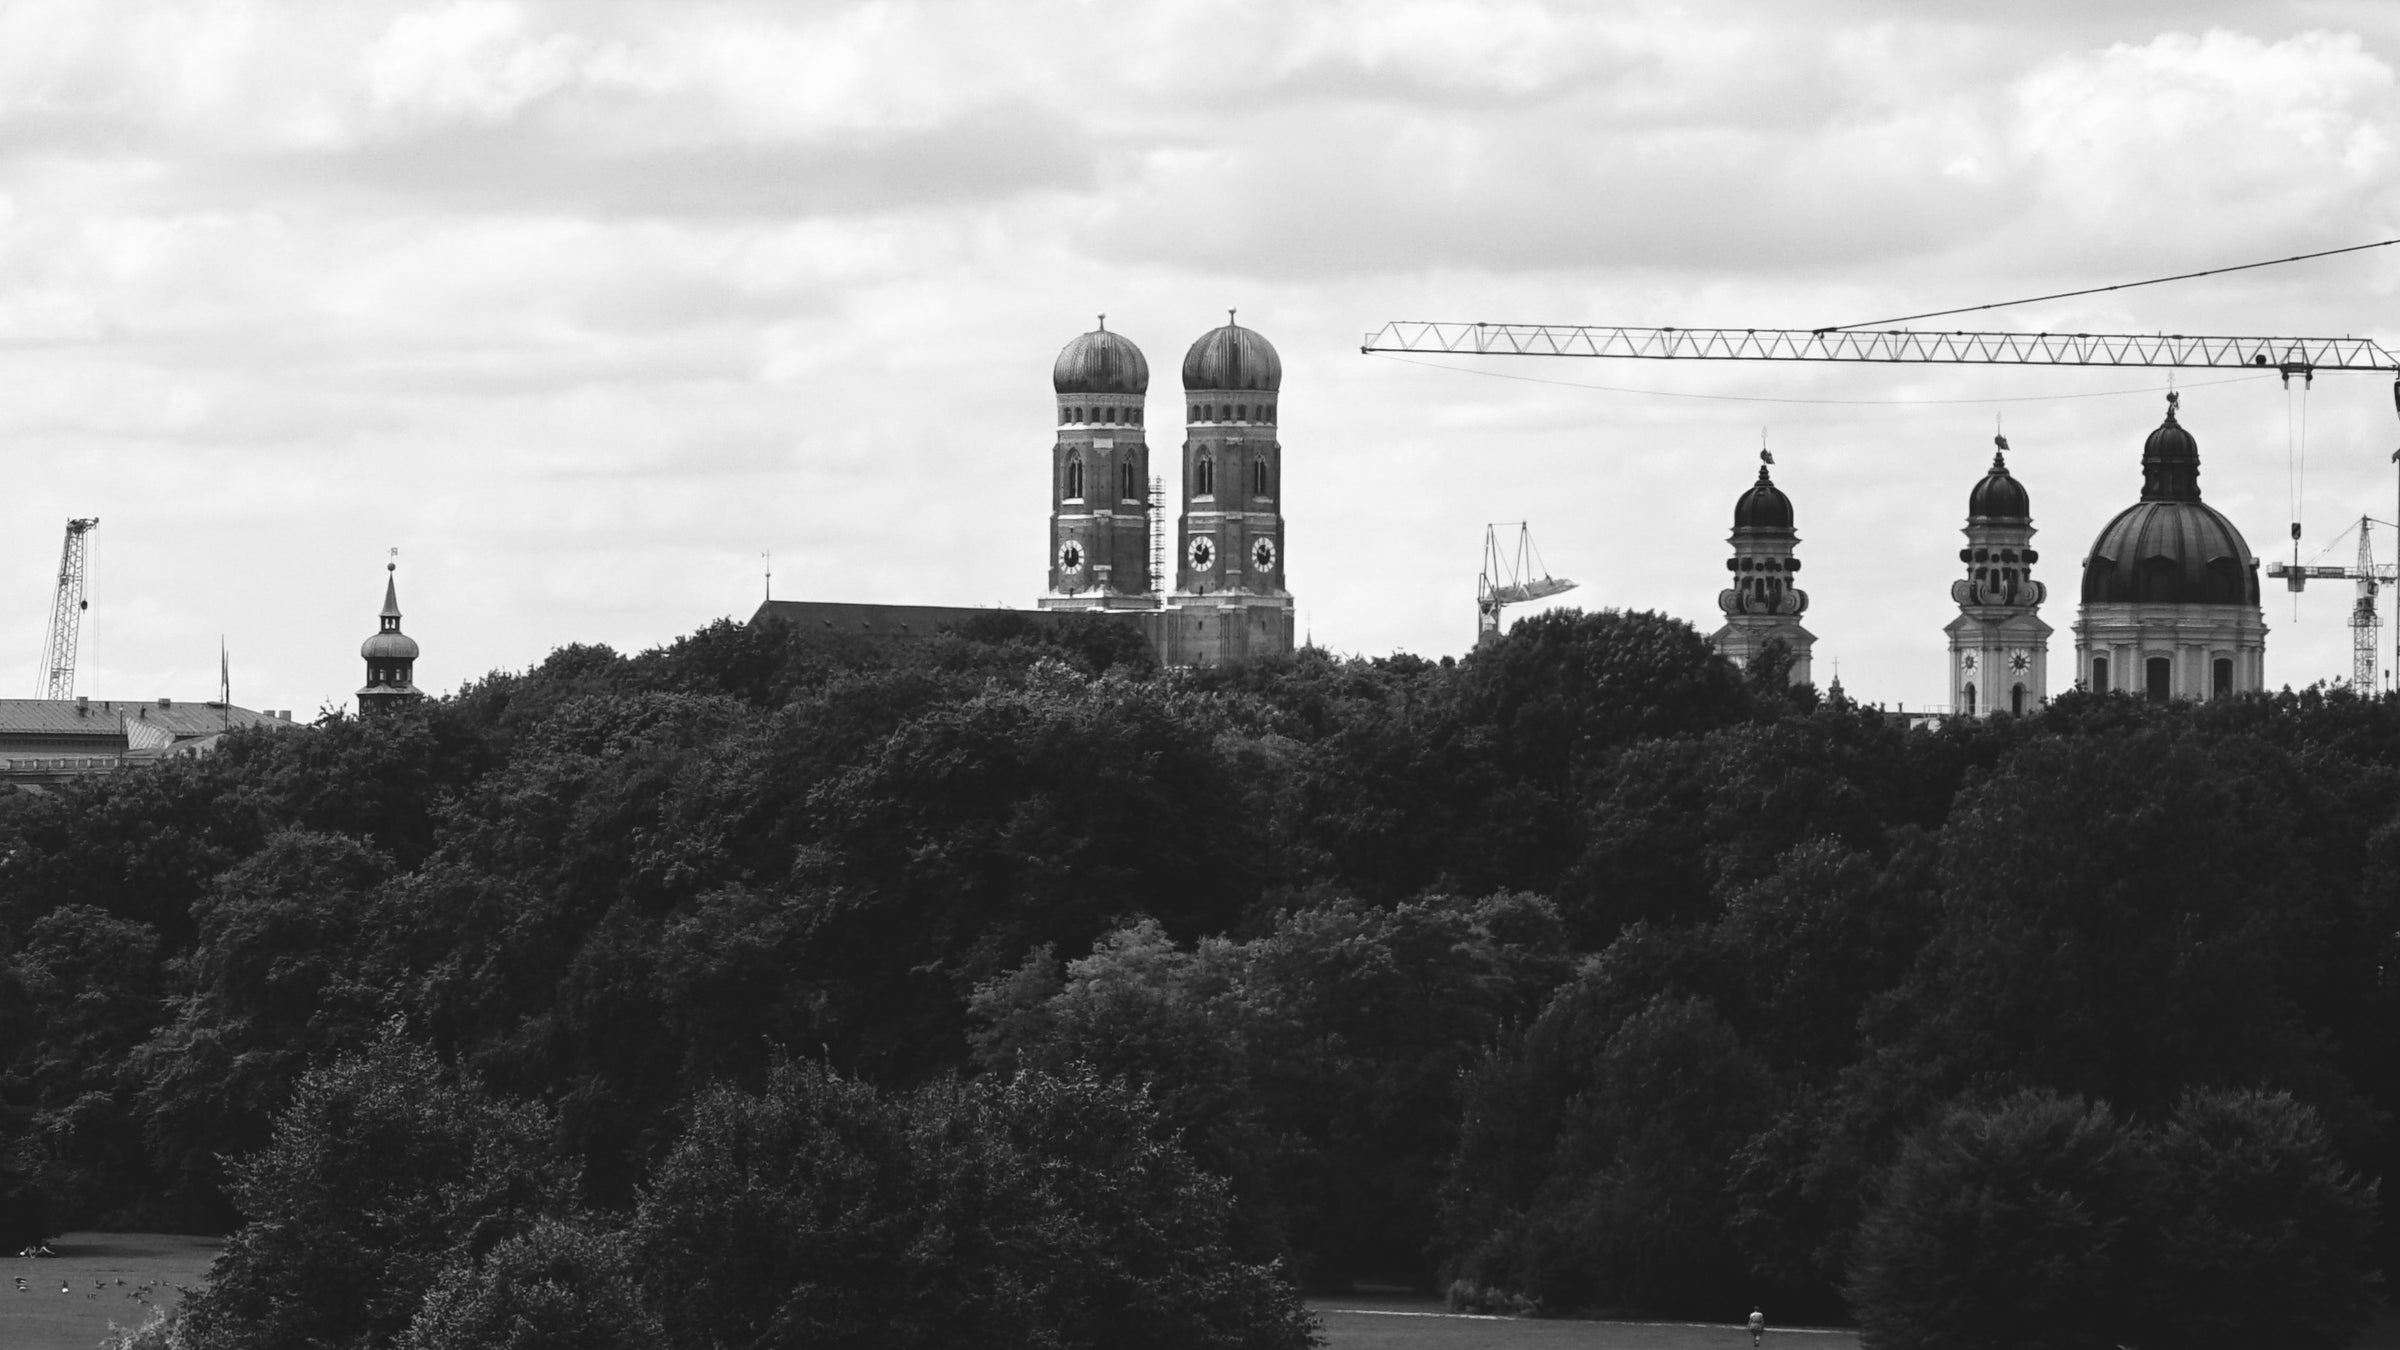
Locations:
{"points": [[1586, 969]]}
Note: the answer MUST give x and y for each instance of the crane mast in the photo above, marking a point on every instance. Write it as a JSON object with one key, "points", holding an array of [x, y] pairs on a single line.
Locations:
{"points": [[66, 614]]}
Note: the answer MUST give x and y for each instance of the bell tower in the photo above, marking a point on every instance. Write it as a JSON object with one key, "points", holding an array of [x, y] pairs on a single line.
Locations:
{"points": [[1999, 646], [1100, 520], [1762, 604], [1231, 600], [391, 655]]}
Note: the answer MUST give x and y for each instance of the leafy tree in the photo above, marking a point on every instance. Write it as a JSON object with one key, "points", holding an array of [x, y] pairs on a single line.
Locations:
{"points": [[272, 982], [2262, 1230], [1035, 1210], [2007, 1227], [384, 1171], [557, 1286], [1594, 1162]]}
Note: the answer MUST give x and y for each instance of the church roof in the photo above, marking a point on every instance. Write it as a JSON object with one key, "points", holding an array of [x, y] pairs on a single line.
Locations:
{"points": [[1763, 507], [2170, 547], [1101, 362], [1999, 496], [1232, 357]]}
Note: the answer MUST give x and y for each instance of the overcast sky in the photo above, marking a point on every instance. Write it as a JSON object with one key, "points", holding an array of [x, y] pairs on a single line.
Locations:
{"points": [[585, 306]]}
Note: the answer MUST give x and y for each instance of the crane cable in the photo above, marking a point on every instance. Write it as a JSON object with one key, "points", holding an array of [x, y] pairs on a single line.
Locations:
{"points": [[2120, 286]]}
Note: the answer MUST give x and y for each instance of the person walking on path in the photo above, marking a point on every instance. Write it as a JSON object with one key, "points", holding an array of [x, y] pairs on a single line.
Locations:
{"points": [[1758, 1328]]}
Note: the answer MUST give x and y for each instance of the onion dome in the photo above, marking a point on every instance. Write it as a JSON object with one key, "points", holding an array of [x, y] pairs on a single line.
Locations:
{"points": [[1999, 496], [389, 647], [2171, 547], [1101, 362], [1232, 357], [1763, 507]]}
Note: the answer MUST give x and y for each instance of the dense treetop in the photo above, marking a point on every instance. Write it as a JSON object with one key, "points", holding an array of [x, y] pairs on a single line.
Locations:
{"points": [[1585, 971]]}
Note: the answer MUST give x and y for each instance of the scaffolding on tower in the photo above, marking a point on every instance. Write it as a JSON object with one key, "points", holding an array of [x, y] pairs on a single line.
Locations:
{"points": [[66, 615], [1158, 536]]}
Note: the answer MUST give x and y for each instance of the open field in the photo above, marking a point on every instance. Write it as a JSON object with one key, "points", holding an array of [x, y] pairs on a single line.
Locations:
{"points": [[35, 1316], [1423, 1324]]}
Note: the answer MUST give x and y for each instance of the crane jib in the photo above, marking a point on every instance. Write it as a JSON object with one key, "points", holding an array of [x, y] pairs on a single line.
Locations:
{"points": [[2287, 355]]}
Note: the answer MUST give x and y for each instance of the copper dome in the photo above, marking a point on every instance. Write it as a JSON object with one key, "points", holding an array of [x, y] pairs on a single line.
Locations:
{"points": [[2171, 547], [1763, 507], [389, 647], [1232, 357], [1999, 496], [1101, 362]]}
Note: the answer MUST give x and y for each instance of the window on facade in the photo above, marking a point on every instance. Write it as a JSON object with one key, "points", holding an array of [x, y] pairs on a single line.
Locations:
{"points": [[1134, 416], [1128, 486], [1242, 413], [1258, 477], [1195, 412], [2158, 678], [2220, 678], [1108, 415], [1966, 702], [2099, 674], [2016, 701], [1075, 477], [1204, 476]]}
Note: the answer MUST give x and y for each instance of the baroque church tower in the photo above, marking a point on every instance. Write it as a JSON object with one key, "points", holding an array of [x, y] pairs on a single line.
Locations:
{"points": [[1231, 600], [1762, 604], [391, 656], [1100, 477], [1999, 646], [2170, 589]]}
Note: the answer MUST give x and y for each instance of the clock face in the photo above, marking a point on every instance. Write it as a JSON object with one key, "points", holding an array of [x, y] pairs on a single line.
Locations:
{"points": [[2017, 662], [1070, 556], [1262, 555], [1203, 554], [1967, 663]]}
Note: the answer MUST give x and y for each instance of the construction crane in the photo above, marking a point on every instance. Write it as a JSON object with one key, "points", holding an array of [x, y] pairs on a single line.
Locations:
{"points": [[1510, 579], [2366, 621], [2287, 356], [66, 615]]}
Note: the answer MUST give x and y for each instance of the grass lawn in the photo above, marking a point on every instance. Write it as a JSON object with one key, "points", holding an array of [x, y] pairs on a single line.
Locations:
{"points": [[35, 1316], [1423, 1324]]}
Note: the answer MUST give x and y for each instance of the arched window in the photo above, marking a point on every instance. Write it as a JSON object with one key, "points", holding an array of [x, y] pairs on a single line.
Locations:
{"points": [[1075, 478], [2016, 701], [1204, 477], [1063, 418], [2099, 674], [1134, 416], [1967, 700], [1128, 486], [1242, 413], [2158, 678], [1258, 477], [1195, 412], [1108, 415], [2220, 680]]}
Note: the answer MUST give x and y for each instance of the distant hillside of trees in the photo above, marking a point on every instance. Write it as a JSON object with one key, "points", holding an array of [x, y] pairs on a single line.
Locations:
{"points": [[1583, 972]]}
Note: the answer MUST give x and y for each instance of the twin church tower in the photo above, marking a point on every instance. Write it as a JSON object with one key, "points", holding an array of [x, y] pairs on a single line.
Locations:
{"points": [[2170, 605], [1107, 551]]}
